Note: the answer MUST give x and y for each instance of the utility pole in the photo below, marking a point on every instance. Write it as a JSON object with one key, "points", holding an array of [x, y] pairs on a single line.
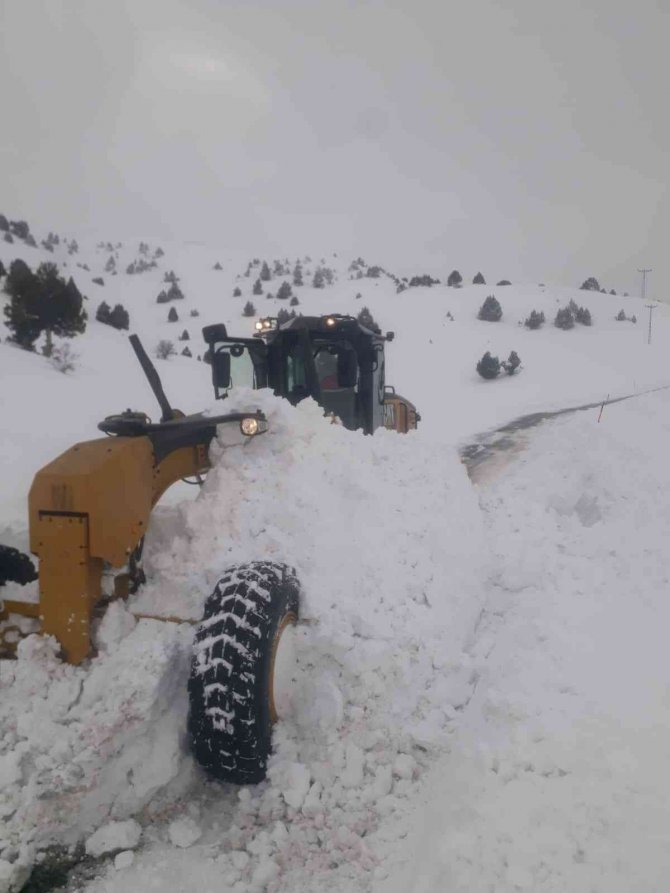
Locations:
{"points": [[651, 307], [644, 282]]}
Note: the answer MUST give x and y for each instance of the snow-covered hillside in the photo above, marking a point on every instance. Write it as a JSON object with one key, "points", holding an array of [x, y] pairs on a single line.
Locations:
{"points": [[483, 682]]}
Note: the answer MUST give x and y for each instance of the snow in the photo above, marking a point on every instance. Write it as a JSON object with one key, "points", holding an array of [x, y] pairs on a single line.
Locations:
{"points": [[113, 837], [481, 694]]}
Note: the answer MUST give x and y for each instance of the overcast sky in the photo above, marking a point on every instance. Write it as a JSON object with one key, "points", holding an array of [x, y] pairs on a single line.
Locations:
{"points": [[525, 138]]}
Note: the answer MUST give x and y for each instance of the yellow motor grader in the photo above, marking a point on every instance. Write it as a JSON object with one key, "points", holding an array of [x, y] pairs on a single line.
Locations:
{"points": [[89, 511]]}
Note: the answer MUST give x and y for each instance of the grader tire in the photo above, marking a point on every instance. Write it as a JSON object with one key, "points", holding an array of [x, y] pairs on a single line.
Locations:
{"points": [[231, 681]]}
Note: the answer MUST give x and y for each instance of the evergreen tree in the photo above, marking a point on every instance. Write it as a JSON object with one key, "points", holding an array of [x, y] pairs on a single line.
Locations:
{"points": [[564, 319], [4, 224], [42, 302], [266, 276], [119, 317], [3, 271], [186, 352], [590, 284], [294, 301], [583, 316], [173, 316], [185, 336], [318, 281], [284, 291], [491, 311], [488, 367], [249, 309], [103, 313], [479, 280], [455, 279], [535, 320], [297, 275], [621, 316], [258, 287], [217, 266], [237, 293]]}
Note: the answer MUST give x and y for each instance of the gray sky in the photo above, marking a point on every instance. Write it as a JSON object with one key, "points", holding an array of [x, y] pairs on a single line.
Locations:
{"points": [[524, 138]]}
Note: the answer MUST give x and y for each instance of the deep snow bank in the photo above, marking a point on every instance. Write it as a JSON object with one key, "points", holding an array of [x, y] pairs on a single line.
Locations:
{"points": [[557, 777], [385, 534]]}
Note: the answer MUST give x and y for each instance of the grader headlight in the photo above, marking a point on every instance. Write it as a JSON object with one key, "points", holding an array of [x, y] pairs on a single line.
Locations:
{"points": [[251, 426]]}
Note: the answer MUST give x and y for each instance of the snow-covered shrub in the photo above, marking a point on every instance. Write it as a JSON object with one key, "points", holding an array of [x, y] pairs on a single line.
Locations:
{"points": [[63, 358], [504, 282], [512, 363], [165, 349], [490, 311]]}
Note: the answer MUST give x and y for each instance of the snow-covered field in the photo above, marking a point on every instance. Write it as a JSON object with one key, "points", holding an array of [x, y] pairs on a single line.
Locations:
{"points": [[482, 702]]}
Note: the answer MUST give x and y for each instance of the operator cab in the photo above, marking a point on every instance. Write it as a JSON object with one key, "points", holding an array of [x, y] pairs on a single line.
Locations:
{"points": [[333, 359]]}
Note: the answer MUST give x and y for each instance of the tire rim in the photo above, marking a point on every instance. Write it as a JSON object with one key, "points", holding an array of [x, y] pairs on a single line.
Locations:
{"points": [[282, 665]]}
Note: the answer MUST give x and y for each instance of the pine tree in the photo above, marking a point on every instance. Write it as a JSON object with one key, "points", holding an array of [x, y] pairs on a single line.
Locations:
{"points": [[479, 280], [173, 316], [488, 367], [491, 311], [237, 293], [249, 309], [103, 313], [258, 287], [284, 291], [42, 302], [455, 279], [294, 301], [297, 275], [318, 280], [564, 319], [185, 336], [119, 317], [3, 271], [186, 352], [535, 320], [621, 316], [266, 276]]}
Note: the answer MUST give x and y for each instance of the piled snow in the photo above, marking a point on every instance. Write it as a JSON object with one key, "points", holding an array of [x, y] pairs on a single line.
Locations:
{"points": [[392, 590], [113, 837]]}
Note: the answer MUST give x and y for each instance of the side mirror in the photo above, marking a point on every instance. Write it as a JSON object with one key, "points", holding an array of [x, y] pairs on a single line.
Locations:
{"points": [[390, 336], [221, 370], [215, 333], [347, 369]]}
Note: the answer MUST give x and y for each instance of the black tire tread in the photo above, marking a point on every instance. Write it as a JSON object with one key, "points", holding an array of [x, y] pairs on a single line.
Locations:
{"points": [[229, 719]]}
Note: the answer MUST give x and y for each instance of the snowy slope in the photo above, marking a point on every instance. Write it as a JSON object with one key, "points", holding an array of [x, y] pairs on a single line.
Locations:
{"points": [[419, 600]]}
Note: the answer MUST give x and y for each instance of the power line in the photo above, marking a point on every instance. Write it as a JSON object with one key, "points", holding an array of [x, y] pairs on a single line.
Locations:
{"points": [[644, 281]]}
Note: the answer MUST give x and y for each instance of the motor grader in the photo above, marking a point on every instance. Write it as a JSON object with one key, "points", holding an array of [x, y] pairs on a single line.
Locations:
{"points": [[90, 508]]}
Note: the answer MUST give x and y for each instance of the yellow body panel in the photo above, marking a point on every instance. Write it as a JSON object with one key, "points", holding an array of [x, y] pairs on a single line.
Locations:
{"points": [[109, 481], [89, 506]]}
